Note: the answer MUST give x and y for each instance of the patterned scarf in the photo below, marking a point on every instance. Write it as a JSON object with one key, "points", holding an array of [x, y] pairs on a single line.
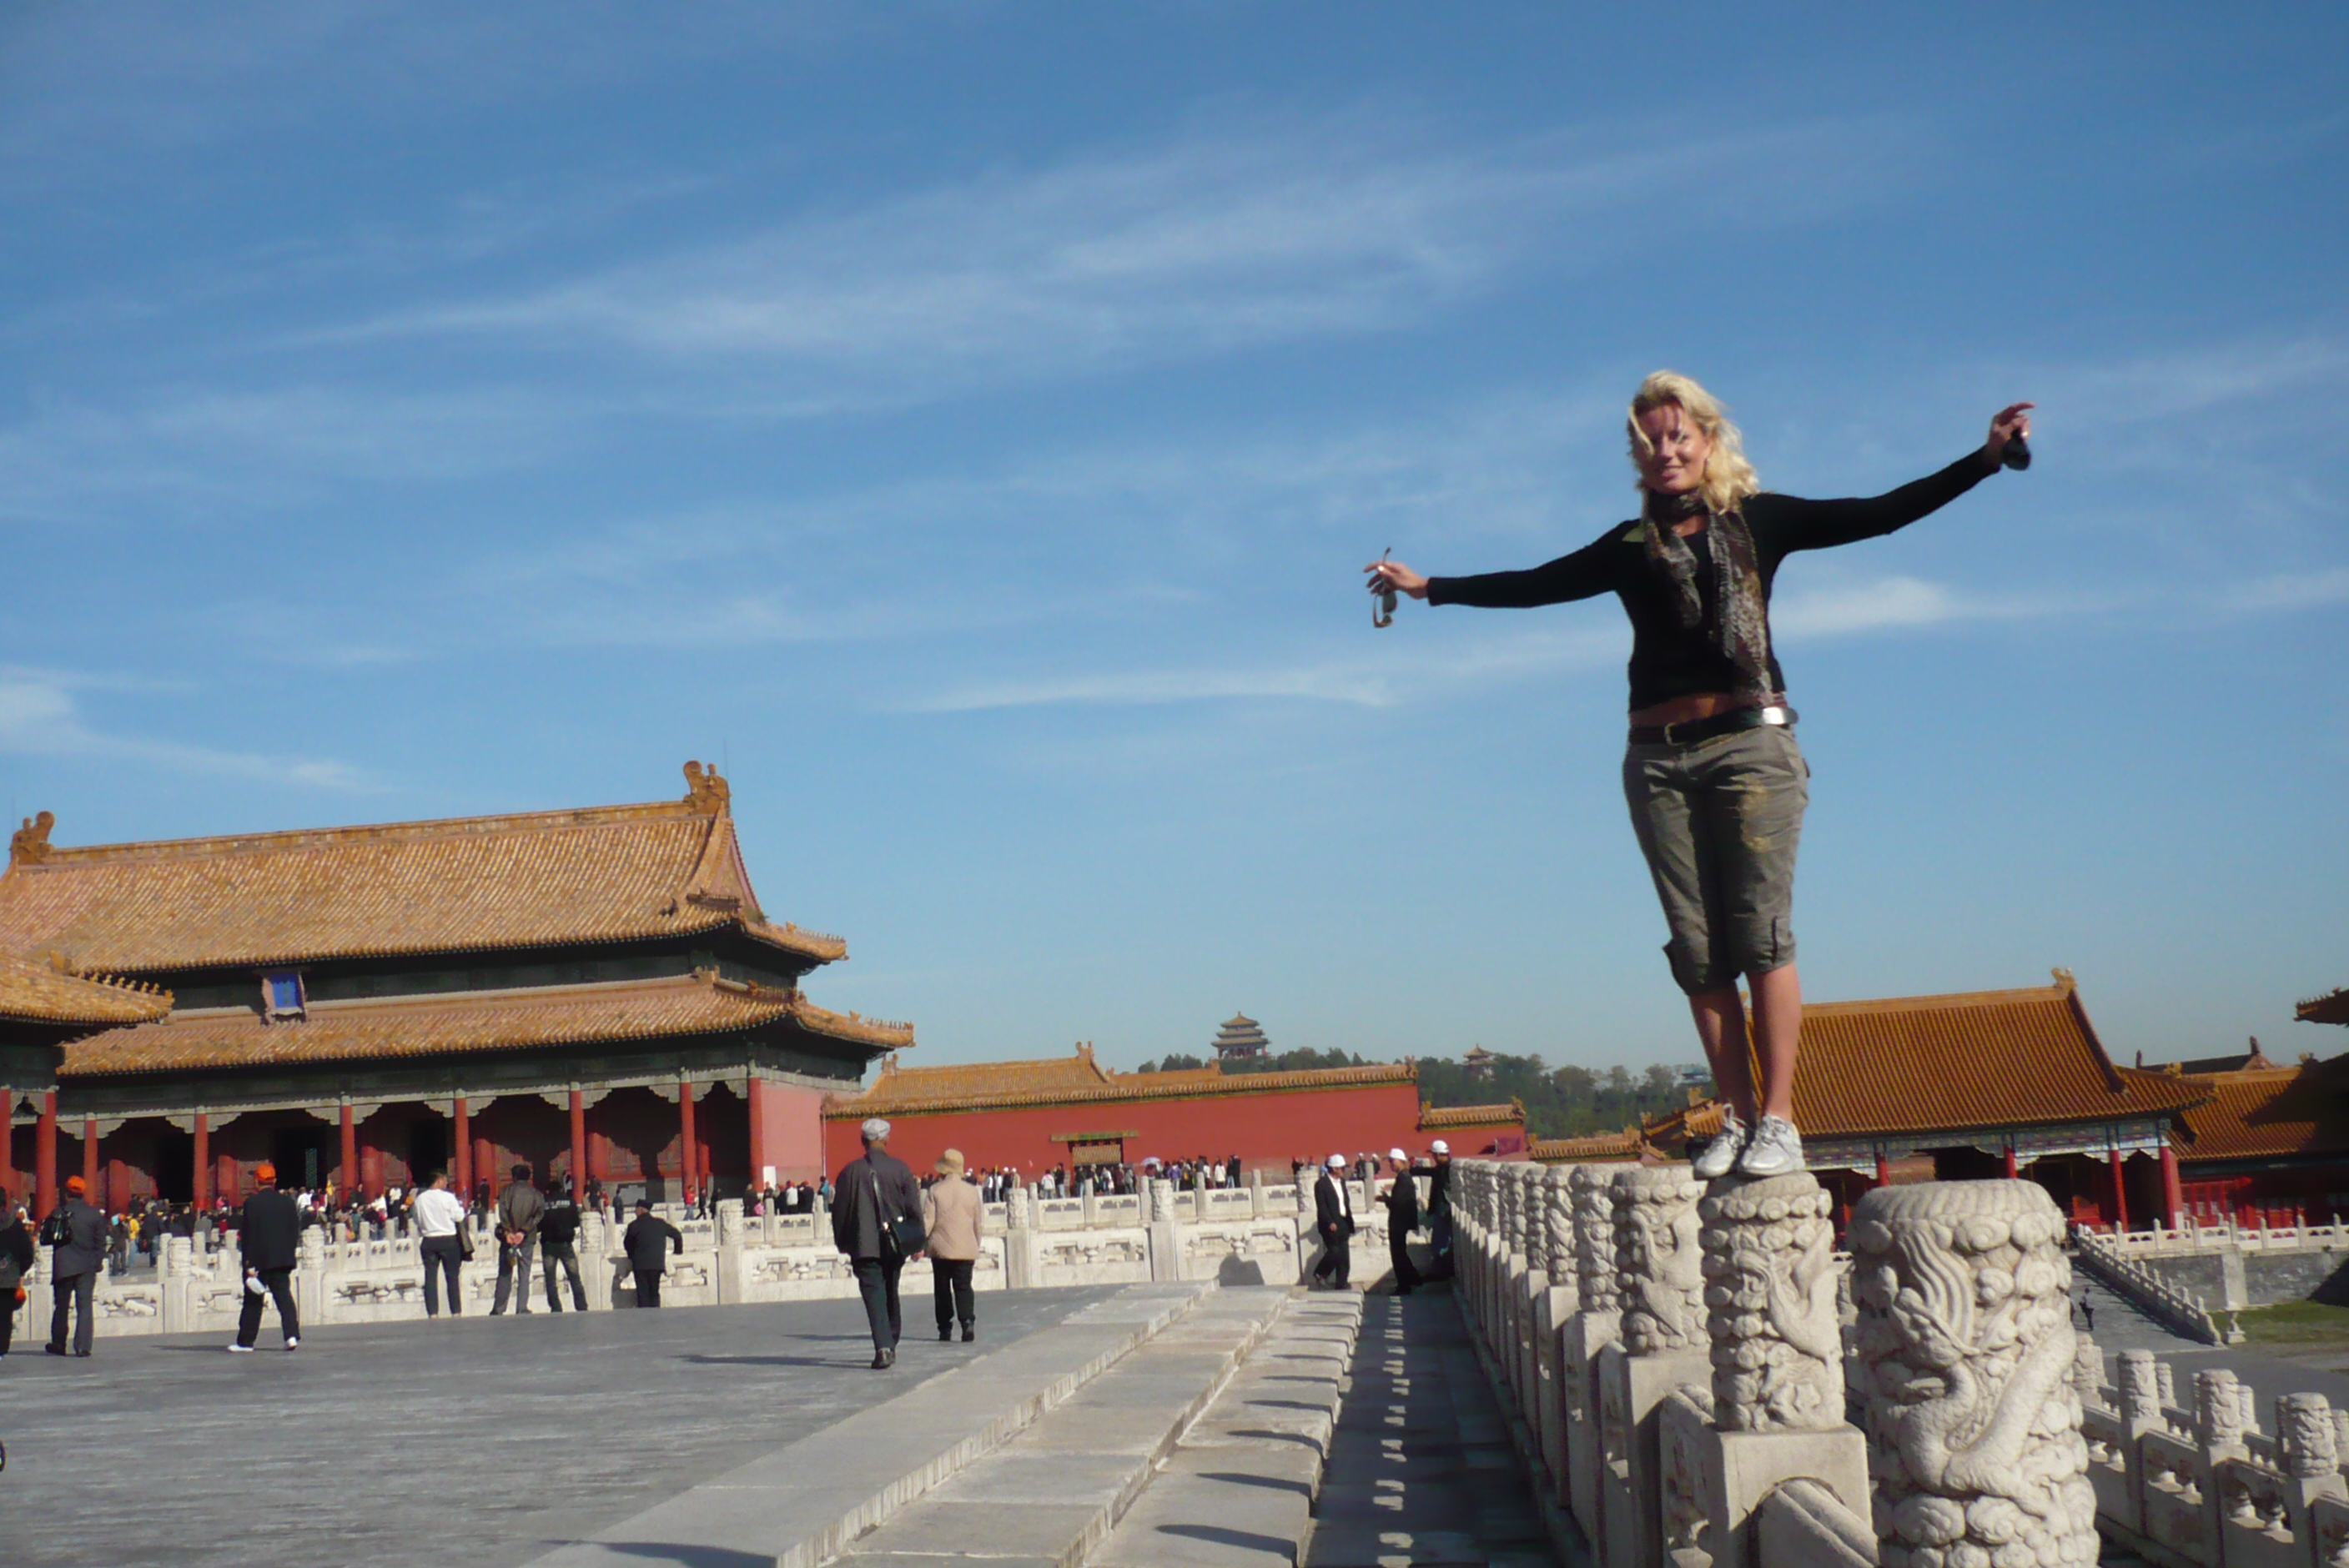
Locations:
{"points": [[1742, 629]]}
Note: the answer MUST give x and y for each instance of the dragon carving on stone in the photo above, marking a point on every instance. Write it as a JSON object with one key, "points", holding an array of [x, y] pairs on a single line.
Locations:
{"points": [[1965, 1339]]}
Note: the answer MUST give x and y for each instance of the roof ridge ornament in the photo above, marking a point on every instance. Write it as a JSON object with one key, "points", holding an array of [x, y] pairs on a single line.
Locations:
{"points": [[30, 845], [705, 790]]}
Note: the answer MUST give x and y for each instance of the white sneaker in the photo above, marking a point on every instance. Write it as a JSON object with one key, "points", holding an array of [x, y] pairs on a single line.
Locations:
{"points": [[1775, 1149], [1723, 1151], [294, 1344], [239, 1350]]}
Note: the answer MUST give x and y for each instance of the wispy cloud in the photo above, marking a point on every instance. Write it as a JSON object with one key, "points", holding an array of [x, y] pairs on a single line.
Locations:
{"points": [[2292, 591], [39, 717], [1196, 248]]}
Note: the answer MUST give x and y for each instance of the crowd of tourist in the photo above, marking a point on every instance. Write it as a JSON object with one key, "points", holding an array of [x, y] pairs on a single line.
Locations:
{"points": [[882, 1217]]}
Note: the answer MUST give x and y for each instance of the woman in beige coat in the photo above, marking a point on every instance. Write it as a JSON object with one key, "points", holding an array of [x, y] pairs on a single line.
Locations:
{"points": [[953, 1210]]}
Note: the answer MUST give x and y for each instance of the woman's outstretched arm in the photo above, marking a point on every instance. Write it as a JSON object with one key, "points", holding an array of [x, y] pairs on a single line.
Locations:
{"points": [[1799, 525], [1584, 574]]}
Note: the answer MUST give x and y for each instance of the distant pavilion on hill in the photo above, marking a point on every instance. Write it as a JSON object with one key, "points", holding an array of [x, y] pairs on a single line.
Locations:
{"points": [[1241, 1039]]}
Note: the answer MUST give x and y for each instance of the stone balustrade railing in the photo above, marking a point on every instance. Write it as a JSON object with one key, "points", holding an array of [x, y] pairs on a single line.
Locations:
{"points": [[1684, 1400], [1261, 1232], [2191, 1239], [2166, 1303]]}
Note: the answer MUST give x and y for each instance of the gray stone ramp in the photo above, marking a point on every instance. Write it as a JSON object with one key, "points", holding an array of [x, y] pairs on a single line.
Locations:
{"points": [[1424, 1470], [801, 1504], [1237, 1490], [1049, 1496]]}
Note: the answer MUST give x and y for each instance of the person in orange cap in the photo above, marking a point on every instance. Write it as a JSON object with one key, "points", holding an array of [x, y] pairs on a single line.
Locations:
{"points": [[269, 1239], [77, 1231]]}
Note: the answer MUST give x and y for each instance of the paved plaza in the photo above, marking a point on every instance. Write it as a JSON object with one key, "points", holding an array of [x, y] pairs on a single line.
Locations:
{"points": [[465, 1443]]}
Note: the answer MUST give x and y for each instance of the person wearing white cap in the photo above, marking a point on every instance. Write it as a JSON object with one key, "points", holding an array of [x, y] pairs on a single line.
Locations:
{"points": [[1439, 1206], [1333, 1217], [1403, 1219]]}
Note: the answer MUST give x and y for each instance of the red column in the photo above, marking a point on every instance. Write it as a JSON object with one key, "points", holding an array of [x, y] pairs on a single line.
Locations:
{"points": [[2172, 1197], [229, 1181], [757, 1095], [45, 1158], [2120, 1195], [685, 1160], [8, 1142], [90, 1187], [350, 1168], [1883, 1171], [461, 1175], [203, 1171], [578, 1145], [2011, 1169]]}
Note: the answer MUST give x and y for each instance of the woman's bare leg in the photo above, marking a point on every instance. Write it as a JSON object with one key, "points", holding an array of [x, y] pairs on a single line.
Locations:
{"points": [[1721, 1026], [1777, 1031]]}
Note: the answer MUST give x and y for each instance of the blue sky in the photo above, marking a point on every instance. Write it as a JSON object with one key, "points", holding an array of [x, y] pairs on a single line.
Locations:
{"points": [[965, 422]]}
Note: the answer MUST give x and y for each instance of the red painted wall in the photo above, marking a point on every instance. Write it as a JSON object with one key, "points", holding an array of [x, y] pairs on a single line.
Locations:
{"points": [[1266, 1131]]}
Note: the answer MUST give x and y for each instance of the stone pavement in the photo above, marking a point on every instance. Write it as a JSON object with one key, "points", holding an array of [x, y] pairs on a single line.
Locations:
{"points": [[1423, 1470], [458, 1443]]}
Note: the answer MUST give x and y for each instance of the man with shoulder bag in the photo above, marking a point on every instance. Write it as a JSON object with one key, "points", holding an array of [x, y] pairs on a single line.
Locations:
{"points": [[77, 1231], [877, 1219]]}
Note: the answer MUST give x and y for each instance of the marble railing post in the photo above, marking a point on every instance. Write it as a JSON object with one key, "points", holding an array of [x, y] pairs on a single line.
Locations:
{"points": [[1256, 1194], [1533, 1287], [1553, 1311], [1965, 1361], [726, 1272], [1165, 1257], [1776, 1328], [1591, 1329], [1660, 1274]]}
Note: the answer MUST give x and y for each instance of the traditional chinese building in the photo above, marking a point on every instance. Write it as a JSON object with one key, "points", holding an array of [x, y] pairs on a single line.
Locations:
{"points": [[2268, 1142], [597, 992], [1985, 1084], [2332, 1007], [1241, 1039], [1066, 1111]]}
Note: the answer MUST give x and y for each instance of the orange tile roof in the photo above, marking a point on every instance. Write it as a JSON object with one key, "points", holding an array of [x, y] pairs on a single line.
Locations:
{"points": [[1975, 1059], [533, 879], [1433, 1117], [2269, 1113], [41, 993], [1063, 1080], [2332, 1007], [1594, 1147], [458, 1022]]}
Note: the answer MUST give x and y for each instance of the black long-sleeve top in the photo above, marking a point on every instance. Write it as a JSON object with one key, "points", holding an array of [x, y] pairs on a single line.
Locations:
{"points": [[1669, 660]]}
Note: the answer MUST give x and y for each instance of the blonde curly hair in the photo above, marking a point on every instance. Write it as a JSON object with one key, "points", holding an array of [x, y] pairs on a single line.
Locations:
{"points": [[1729, 479]]}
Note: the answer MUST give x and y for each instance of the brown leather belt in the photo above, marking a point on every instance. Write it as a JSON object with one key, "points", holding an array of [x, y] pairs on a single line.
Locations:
{"points": [[1719, 724]]}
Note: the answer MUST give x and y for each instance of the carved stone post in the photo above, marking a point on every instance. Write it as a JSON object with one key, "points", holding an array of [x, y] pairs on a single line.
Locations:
{"points": [[1660, 1274], [1528, 1245], [1591, 1329], [1775, 1327], [2310, 1447], [2088, 1371], [1166, 1248], [1965, 1358], [1552, 1312], [1022, 1247]]}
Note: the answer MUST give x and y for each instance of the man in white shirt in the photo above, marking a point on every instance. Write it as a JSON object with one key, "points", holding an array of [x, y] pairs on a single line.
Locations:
{"points": [[440, 1216]]}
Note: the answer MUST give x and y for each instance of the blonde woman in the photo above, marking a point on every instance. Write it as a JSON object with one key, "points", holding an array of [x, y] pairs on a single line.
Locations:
{"points": [[1716, 781]]}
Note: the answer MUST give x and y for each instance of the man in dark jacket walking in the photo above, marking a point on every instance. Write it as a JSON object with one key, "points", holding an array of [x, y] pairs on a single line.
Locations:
{"points": [[558, 1236], [1403, 1219], [270, 1239], [77, 1231], [1333, 1217], [520, 1210], [871, 1196], [649, 1241]]}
